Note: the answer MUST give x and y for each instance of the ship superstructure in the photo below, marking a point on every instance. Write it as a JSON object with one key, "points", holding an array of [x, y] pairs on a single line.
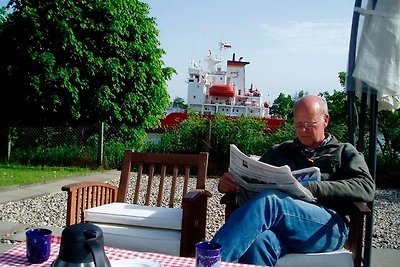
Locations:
{"points": [[214, 90]]}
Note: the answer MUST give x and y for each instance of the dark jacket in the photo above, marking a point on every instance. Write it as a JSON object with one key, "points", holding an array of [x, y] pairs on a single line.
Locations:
{"points": [[344, 173]]}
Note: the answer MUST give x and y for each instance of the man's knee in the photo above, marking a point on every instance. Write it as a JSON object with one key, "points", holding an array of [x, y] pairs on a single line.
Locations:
{"points": [[266, 249]]}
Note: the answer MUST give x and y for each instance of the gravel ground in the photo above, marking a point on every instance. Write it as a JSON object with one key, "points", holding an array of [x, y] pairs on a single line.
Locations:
{"points": [[50, 210]]}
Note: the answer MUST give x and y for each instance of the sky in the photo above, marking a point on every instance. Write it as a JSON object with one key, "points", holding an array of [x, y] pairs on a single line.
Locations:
{"points": [[291, 45]]}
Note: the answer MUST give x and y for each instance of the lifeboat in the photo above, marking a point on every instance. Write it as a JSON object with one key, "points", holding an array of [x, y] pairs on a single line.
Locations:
{"points": [[222, 90]]}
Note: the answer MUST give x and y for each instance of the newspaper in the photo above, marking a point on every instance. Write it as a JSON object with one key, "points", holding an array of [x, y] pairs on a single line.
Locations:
{"points": [[254, 176]]}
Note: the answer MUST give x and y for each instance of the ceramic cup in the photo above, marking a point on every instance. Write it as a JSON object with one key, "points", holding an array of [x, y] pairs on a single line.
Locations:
{"points": [[208, 254], [38, 244]]}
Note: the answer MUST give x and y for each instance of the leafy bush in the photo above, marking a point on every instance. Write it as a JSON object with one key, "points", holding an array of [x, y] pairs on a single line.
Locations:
{"points": [[190, 137], [215, 134], [387, 172], [65, 155], [84, 153], [196, 134], [284, 133], [114, 153]]}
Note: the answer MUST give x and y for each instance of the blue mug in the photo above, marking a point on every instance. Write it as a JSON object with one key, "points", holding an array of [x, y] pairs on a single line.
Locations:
{"points": [[38, 245], [208, 254]]}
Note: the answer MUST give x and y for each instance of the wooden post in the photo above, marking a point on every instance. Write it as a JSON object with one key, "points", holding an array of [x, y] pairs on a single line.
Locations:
{"points": [[9, 146], [101, 145], [209, 136]]}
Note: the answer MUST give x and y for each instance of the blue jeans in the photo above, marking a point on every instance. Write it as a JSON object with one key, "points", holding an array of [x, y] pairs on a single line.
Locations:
{"points": [[272, 224]]}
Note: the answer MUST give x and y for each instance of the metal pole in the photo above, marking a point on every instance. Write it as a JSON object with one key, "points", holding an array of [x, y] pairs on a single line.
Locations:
{"points": [[372, 169], [350, 82], [351, 111], [361, 127]]}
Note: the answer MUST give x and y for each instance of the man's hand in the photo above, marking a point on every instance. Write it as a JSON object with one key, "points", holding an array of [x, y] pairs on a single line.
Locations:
{"points": [[227, 183]]}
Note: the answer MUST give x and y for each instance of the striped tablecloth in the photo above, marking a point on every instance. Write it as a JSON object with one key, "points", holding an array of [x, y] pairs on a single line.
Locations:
{"points": [[17, 256]]}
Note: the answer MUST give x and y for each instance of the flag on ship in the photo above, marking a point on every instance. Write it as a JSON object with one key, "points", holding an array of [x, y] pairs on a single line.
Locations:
{"points": [[225, 45]]}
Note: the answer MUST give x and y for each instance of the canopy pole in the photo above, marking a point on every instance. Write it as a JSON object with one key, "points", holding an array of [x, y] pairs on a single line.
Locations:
{"points": [[362, 120], [350, 90], [372, 169], [350, 81]]}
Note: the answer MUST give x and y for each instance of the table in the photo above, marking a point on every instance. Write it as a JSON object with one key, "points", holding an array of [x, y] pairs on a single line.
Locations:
{"points": [[17, 256]]}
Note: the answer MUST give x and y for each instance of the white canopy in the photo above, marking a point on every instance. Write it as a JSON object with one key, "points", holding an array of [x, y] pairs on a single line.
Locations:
{"points": [[378, 53]]}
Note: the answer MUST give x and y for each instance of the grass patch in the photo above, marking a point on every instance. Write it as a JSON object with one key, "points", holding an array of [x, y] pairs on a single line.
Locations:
{"points": [[24, 175]]}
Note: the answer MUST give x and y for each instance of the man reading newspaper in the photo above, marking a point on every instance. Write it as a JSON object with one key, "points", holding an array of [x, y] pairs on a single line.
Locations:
{"points": [[254, 176], [273, 223]]}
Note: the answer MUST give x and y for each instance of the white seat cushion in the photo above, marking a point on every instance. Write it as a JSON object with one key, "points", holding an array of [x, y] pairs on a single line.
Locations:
{"points": [[141, 238], [138, 215], [337, 258], [138, 227]]}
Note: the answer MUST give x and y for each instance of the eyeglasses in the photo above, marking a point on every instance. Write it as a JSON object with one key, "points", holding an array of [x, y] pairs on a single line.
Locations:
{"points": [[305, 124]]}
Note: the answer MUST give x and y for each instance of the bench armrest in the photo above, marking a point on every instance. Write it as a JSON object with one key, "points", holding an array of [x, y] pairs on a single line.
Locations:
{"points": [[85, 195]]}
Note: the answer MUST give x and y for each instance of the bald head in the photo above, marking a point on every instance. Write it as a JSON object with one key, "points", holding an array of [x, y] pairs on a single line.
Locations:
{"points": [[313, 103], [310, 120]]}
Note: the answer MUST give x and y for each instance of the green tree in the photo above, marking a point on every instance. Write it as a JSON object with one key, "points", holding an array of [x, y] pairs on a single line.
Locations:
{"points": [[3, 15], [337, 103], [390, 145], [388, 141], [299, 94], [282, 106], [342, 78], [67, 61], [179, 103]]}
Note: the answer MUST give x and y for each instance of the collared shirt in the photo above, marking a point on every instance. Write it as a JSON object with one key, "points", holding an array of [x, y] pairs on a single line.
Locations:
{"points": [[309, 151]]}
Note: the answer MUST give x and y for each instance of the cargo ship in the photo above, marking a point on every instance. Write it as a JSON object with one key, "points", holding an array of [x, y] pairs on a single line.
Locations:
{"points": [[216, 90]]}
